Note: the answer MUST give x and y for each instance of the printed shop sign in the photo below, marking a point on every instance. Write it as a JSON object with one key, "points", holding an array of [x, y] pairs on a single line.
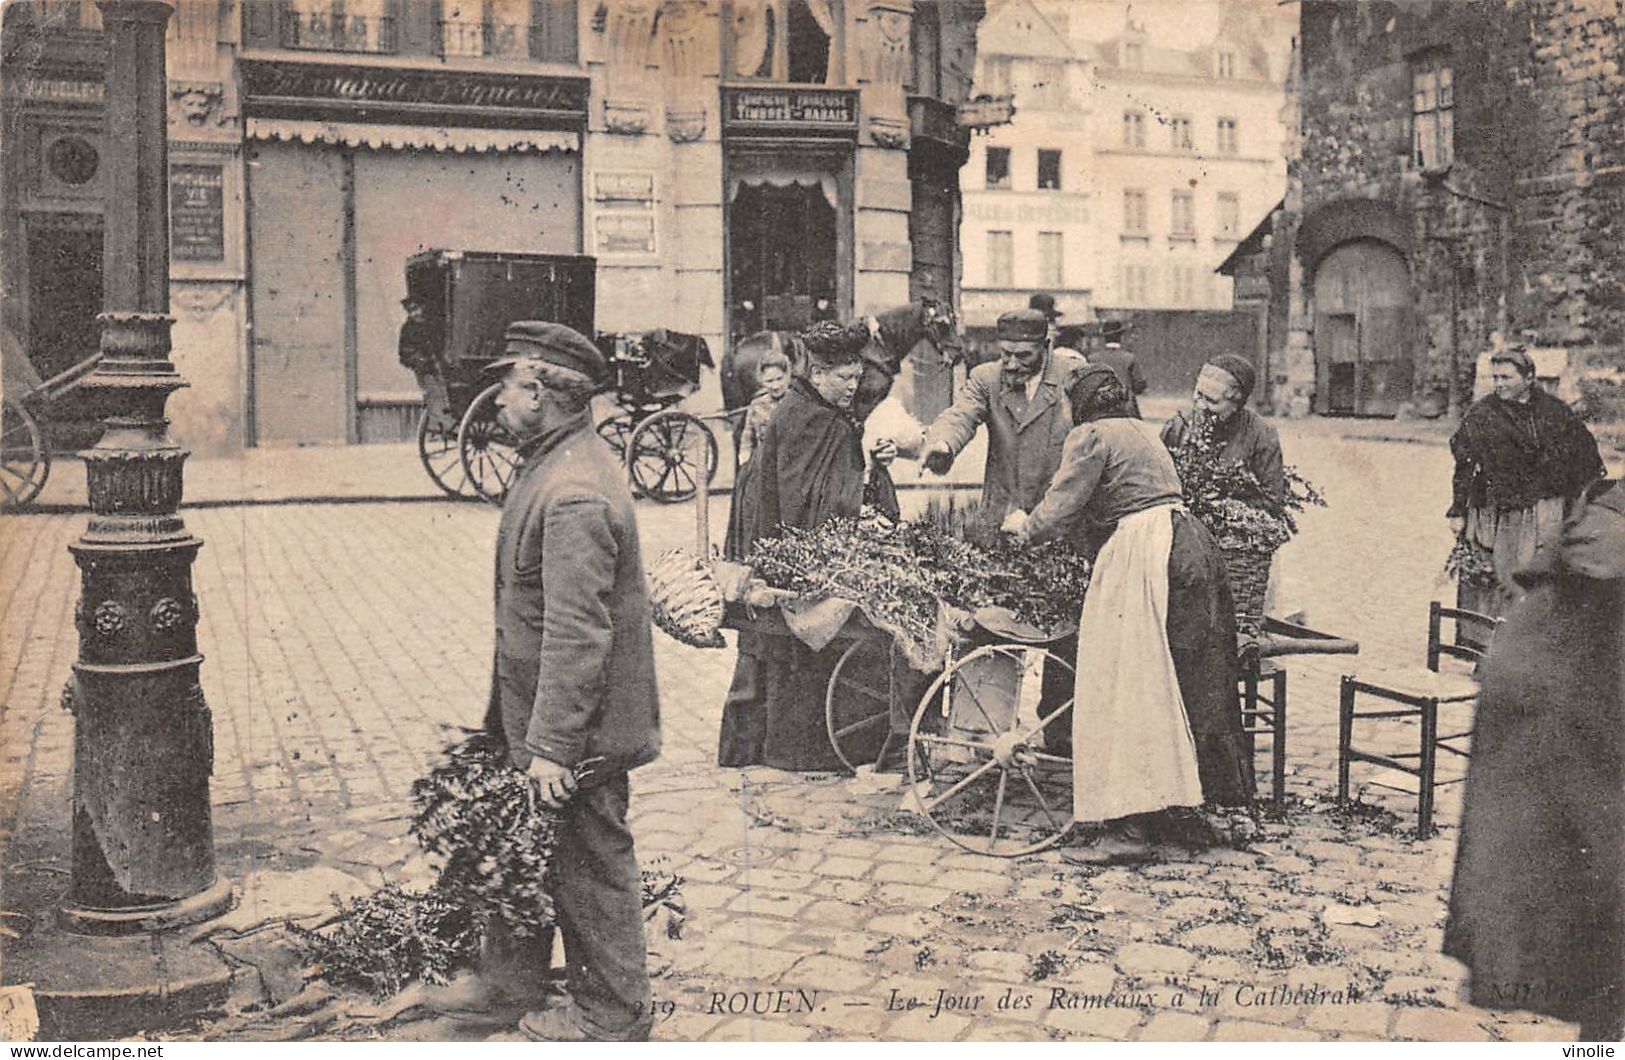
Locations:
{"points": [[789, 111], [339, 92], [197, 218], [624, 214]]}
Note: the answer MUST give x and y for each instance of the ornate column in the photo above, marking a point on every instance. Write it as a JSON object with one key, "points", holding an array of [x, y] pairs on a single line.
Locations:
{"points": [[143, 842]]}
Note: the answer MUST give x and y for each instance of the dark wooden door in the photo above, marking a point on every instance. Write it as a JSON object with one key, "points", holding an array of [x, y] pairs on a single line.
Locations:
{"points": [[1364, 361]]}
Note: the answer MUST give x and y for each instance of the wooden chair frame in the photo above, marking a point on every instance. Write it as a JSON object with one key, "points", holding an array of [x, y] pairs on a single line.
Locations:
{"points": [[1423, 763], [1263, 713]]}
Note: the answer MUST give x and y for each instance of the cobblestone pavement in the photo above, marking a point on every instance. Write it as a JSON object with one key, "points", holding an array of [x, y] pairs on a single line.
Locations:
{"points": [[341, 639]]}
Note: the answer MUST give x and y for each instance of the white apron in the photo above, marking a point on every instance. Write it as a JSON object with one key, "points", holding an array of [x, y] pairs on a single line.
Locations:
{"points": [[1132, 750]]}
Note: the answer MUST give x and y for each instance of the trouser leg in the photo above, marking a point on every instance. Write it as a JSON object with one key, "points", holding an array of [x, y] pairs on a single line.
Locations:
{"points": [[600, 911], [1058, 686]]}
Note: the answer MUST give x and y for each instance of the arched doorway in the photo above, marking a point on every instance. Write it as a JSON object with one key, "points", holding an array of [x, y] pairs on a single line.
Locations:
{"points": [[1364, 344]]}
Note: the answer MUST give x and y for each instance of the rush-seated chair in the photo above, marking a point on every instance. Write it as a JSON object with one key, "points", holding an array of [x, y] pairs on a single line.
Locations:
{"points": [[1419, 696]]}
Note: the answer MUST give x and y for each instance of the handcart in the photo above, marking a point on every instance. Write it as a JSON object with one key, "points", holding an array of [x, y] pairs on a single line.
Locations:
{"points": [[469, 299], [981, 761]]}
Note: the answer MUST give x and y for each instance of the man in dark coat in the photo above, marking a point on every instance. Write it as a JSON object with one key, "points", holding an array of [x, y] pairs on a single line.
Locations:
{"points": [[573, 676], [1122, 361], [1537, 906]]}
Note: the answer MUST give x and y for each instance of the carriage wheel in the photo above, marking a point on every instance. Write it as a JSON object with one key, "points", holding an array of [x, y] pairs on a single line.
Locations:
{"points": [[857, 703], [441, 456], [25, 460], [977, 755], [616, 431], [490, 455], [661, 457]]}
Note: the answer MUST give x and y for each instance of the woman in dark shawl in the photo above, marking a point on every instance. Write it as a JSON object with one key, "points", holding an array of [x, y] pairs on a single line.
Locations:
{"points": [[1157, 719], [1522, 459], [1537, 907], [807, 469]]}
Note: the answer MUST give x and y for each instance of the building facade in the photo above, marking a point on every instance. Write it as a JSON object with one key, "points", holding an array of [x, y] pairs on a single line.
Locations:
{"points": [[1147, 140], [732, 166], [1459, 183]]}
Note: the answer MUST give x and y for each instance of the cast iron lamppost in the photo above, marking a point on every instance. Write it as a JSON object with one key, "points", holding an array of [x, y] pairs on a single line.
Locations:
{"points": [[143, 837]]}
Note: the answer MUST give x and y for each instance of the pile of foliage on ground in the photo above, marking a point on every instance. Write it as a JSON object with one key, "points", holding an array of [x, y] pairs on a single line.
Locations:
{"points": [[903, 573], [484, 820]]}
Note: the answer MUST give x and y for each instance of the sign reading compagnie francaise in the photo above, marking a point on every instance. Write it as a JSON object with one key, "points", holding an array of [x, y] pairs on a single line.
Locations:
{"points": [[826, 111]]}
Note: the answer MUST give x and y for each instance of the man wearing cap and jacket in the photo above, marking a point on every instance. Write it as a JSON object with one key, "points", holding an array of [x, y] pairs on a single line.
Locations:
{"points": [[1121, 361], [1021, 398], [573, 675]]}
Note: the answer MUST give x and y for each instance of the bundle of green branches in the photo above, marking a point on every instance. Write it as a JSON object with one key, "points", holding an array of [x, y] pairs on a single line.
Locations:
{"points": [[1471, 564], [1230, 501], [485, 821], [901, 574]]}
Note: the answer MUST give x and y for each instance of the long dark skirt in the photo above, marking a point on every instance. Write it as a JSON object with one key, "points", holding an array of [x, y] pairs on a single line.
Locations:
{"points": [[1202, 639], [1537, 906], [774, 713]]}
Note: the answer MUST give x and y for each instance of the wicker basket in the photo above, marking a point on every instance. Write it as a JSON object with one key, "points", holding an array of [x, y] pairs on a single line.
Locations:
{"points": [[1249, 573]]}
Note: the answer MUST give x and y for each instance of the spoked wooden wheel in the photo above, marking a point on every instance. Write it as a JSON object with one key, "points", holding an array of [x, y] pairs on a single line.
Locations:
{"points": [[441, 456], [664, 456], [490, 455], [616, 431], [857, 703], [978, 760], [25, 459]]}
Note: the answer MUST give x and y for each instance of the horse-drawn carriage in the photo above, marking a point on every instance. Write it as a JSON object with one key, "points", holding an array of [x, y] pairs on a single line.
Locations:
{"points": [[25, 399], [468, 299]]}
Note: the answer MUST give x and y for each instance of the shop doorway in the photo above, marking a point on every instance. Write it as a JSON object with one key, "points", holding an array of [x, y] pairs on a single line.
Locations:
{"points": [[782, 256], [1364, 357], [64, 297]]}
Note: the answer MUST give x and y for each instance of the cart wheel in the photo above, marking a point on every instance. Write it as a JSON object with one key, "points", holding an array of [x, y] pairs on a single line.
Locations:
{"points": [[977, 756], [616, 431], [661, 460], [25, 459], [442, 459], [857, 703], [490, 455]]}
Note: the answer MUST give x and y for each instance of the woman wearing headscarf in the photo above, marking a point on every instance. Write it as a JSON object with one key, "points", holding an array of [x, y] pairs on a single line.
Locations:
{"points": [[808, 468], [1156, 720], [1223, 387], [1537, 906], [1522, 459]]}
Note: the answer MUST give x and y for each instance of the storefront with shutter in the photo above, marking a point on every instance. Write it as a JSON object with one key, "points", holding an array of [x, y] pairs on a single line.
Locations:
{"points": [[351, 170]]}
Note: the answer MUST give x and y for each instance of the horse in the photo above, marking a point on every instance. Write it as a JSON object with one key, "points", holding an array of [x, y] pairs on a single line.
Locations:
{"points": [[893, 336]]}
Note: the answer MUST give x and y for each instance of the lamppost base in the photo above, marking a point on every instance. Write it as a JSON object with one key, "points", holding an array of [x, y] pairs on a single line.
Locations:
{"points": [[146, 919]]}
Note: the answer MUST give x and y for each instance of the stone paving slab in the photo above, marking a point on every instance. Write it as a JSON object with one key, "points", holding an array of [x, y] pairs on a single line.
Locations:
{"points": [[342, 640]]}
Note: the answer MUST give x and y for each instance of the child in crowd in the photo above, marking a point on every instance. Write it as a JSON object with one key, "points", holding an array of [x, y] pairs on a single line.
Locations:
{"points": [[773, 373]]}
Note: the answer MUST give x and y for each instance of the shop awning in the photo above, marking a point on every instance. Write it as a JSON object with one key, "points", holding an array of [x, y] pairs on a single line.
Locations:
{"points": [[414, 137]]}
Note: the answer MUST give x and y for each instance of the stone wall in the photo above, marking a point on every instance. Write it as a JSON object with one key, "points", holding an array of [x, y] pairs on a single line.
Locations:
{"points": [[1520, 238]]}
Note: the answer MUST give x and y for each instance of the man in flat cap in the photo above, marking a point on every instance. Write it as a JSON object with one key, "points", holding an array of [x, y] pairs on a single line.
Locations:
{"points": [[573, 677], [1114, 355], [1021, 398], [1223, 386]]}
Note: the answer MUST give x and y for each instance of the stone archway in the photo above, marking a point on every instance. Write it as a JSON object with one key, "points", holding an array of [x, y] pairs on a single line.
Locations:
{"points": [[1364, 336]]}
